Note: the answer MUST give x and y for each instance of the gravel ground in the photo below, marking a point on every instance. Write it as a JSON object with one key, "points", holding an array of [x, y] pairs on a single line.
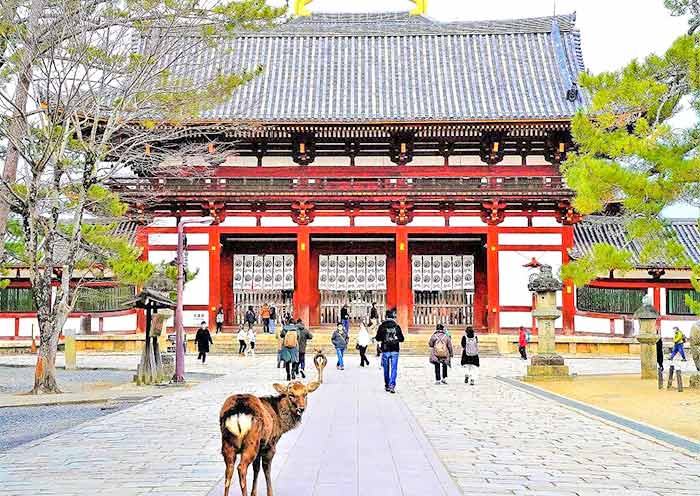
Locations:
{"points": [[24, 424], [21, 379]]}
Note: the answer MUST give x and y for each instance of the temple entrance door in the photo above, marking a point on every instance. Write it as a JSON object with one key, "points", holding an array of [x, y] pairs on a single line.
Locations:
{"points": [[359, 304], [452, 308], [280, 299]]}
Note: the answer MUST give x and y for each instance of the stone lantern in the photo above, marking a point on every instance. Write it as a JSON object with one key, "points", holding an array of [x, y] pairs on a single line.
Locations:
{"points": [[546, 363], [695, 354], [648, 337]]}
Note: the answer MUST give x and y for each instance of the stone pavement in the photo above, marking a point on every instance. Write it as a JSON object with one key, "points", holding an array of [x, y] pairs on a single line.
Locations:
{"points": [[356, 439]]}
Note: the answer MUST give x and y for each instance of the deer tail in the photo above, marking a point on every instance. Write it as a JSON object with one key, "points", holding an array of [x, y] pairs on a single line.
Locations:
{"points": [[239, 424]]}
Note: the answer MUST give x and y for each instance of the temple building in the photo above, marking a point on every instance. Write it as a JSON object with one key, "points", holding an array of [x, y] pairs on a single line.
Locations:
{"points": [[395, 159]]}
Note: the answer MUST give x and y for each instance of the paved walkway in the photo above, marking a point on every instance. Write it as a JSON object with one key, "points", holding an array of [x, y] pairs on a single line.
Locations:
{"points": [[356, 439]]}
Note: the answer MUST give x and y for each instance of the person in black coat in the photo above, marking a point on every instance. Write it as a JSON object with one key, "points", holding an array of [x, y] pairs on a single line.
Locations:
{"points": [[203, 339]]}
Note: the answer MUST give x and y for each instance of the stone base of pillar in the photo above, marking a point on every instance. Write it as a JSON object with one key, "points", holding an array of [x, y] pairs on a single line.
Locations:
{"points": [[695, 380], [547, 373], [547, 359]]}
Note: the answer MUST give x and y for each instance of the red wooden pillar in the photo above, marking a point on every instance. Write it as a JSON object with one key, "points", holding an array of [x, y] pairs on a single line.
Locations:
{"points": [[568, 307], [302, 294], [657, 305], [214, 273], [142, 241], [403, 279], [492, 278]]}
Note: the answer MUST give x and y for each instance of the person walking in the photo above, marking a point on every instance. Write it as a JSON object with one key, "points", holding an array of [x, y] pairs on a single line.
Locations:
{"points": [[242, 337], [678, 342], [441, 353], [340, 343], [345, 319], [304, 336], [203, 339], [251, 340], [522, 343], [363, 340], [219, 320], [290, 349], [273, 319], [265, 316], [390, 336], [250, 317], [470, 356], [373, 312]]}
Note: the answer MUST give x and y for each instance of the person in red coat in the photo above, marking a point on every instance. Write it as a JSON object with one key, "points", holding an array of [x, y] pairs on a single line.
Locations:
{"points": [[522, 343]]}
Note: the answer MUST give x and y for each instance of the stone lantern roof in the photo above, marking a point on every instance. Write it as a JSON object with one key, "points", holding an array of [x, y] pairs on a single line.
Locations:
{"points": [[544, 281]]}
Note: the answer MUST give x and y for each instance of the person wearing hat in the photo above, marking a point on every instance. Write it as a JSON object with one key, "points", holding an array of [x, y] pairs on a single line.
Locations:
{"points": [[678, 341]]}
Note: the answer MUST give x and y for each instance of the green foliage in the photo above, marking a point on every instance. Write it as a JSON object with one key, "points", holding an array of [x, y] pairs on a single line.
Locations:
{"points": [[629, 152], [686, 7]]}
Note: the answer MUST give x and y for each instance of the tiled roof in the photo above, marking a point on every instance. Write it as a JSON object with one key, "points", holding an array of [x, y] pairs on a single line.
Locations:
{"points": [[397, 68], [611, 230]]}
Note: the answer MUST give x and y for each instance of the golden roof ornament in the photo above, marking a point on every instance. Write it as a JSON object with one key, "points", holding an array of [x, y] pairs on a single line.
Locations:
{"points": [[421, 7], [300, 9]]}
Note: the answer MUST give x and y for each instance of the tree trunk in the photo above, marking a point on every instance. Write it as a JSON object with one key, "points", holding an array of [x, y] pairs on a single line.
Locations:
{"points": [[147, 372], [45, 372]]}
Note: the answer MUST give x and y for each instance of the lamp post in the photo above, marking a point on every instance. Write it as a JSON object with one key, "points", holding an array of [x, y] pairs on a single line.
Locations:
{"points": [[179, 329], [648, 337]]}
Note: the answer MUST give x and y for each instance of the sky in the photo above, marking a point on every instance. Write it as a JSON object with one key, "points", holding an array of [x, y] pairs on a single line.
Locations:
{"points": [[613, 32]]}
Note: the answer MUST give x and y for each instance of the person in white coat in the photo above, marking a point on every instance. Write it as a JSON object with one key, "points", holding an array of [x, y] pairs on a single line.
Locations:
{"points": [[363, 340]]}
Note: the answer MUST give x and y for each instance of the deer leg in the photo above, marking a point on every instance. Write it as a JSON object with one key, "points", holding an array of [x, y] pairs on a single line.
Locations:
{"points": [[250, 451], [267, 465], [256, 471], [230, 459]]}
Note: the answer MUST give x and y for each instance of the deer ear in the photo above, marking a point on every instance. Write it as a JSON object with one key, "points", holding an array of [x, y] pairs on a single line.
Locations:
{"points": [[312, 387], [281, 389]]}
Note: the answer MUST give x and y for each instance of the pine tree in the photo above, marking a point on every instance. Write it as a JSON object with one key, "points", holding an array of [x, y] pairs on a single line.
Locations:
{"points": [[629, 152]]}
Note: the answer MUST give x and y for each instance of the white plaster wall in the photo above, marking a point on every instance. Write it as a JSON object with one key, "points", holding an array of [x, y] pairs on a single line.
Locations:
{"points": [[7, 327], [552, 239], [369, 221], [25, 327], [277, 222], [464, 221], [376, 161], [511, 160], [278, 162], [513, 277], [163, 222], [515, 319], [427, 221], [332, 161], [545, 222], [119, 323], [74, 323], [197, 290], [536, 160], [331, 221], [158, 257], [591, 324], [466, 160], [514, 222], [434, 160], [239, 161], [239, 222], [668, 325], [166, 239], [664, 308]]}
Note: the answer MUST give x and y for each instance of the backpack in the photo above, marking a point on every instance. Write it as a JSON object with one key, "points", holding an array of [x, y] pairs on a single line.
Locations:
{"points": [[440, 348], [471, 346], [290, 339]]}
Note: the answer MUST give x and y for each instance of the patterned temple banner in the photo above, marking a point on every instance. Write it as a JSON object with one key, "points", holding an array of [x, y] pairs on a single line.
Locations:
{"points": [[288, 272], [446, 261], [332, 272], [258, 264], [457, 272], [248, 269], [352, 272], [381, 271], [361, 272], [417, 272], [238, 272], [342, 272], [323, 272], [468, 269], [268, 270]]}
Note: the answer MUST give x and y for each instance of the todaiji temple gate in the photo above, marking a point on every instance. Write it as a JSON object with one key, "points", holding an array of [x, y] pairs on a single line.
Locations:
{"points": [[384, 158]]}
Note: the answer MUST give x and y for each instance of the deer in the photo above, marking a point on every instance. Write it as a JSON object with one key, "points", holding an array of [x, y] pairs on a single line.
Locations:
{"points": [[251, 426]]}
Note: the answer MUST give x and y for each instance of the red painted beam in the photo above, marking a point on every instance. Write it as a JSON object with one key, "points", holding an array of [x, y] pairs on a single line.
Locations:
{"points": [[569, 309], [302, 293], [492, 278], [641, 283], [404, 295], [214, 273]]}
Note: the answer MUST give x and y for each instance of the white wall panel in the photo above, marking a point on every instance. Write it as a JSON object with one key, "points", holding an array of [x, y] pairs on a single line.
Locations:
{"points": [[376, 161], [7, 327], [119, 323], [427, 221], [435, 160], [668, 325], [464, 221], [379, 221], [529, 239], [514, 222], [278, 162], [73, 323], [277, 222], [165, 239], [545, 222], [239, 161], [197, 290], [513, 277], [515, 319], [158, 257], [331, 221], [591, 324], [25, 327], [163, 222], [239, 222], [332, 161]]}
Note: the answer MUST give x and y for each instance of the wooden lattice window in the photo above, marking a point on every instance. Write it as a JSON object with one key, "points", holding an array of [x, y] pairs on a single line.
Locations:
{"points": [[16, 300], [609, 300], [103, 299], [676, 301]]}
